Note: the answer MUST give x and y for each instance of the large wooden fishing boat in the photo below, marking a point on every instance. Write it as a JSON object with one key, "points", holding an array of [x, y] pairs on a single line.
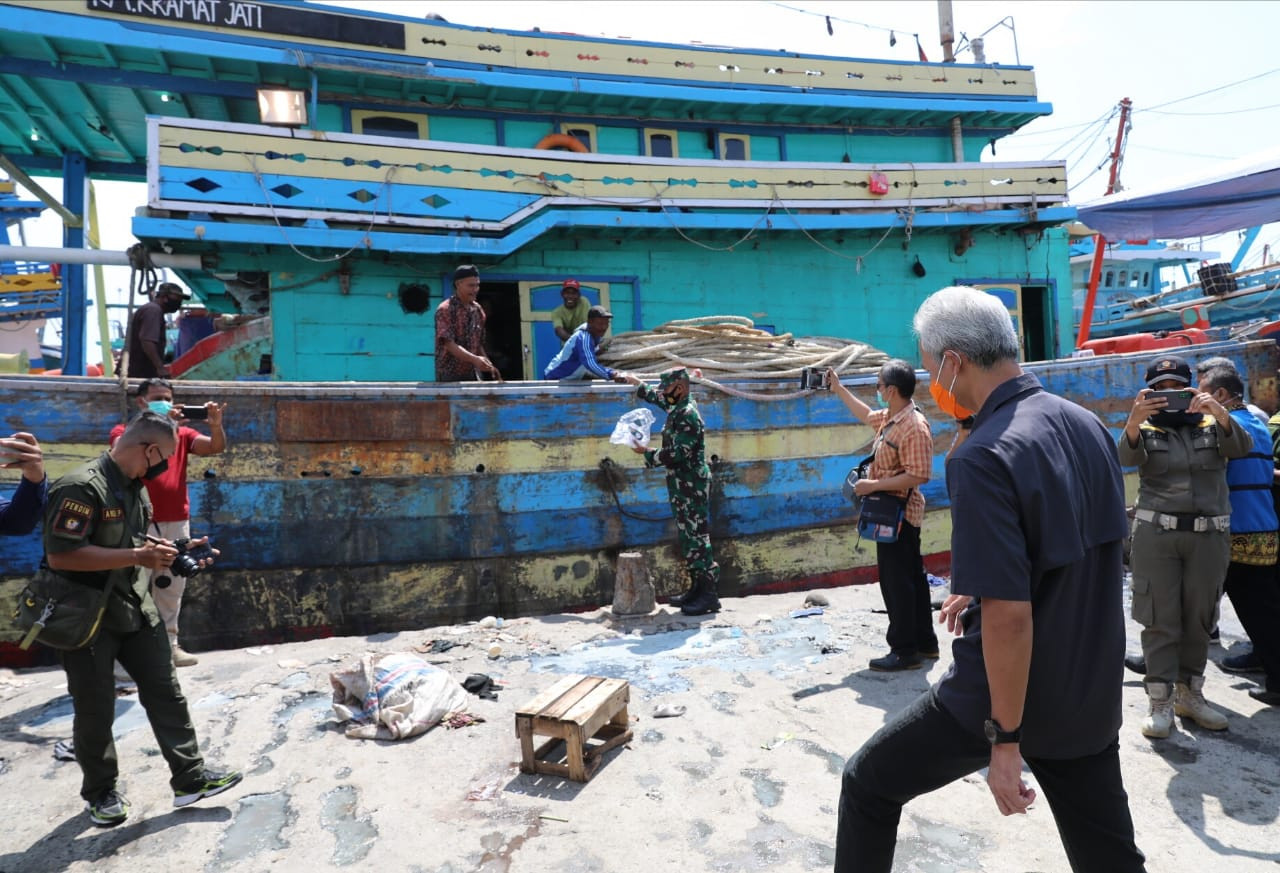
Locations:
{"points": [[816, 195]]}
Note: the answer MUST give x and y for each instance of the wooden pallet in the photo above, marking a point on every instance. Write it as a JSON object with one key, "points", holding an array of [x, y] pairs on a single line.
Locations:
{"points": [[575, 710]]}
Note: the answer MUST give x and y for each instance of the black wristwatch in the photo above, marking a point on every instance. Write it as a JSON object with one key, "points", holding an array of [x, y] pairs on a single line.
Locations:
{"points": [[997, 735]]}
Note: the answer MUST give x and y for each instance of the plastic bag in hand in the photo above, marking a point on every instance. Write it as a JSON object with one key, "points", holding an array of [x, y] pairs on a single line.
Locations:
{"points": [[633, 429]]}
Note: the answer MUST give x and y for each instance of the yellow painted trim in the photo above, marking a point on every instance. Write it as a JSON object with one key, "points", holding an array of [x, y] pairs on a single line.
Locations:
{"points": [[724, 138], [651, 132], [590, 129], [19, 282], [360, 116], [412, 163], [526, 344], [586, 56]]}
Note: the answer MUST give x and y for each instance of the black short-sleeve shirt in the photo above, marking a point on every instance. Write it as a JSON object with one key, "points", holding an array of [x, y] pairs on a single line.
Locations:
{"points": [[1038, 514], [148, 325]]}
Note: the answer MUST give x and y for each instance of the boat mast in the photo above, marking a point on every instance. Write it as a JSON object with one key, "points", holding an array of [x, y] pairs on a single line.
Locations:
{"points": [[1099, 243]]}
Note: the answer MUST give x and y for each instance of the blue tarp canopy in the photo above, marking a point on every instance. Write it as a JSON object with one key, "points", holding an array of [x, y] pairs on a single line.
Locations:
{"points": [[1243, 193]]}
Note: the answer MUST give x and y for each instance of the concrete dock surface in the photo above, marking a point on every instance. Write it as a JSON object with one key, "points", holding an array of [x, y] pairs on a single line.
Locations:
{"points": [[746, 779]]}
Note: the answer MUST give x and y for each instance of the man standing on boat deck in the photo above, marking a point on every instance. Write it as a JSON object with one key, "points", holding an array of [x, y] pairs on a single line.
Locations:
{"points": [[147, 332], [1038, 524], [171, 506], [902, 459], [683, 454], [570, 315], [577, 359], [460, 320]]}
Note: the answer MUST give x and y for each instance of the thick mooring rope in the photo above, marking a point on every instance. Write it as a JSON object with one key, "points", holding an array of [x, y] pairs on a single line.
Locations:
{"points": [[730, 347]]}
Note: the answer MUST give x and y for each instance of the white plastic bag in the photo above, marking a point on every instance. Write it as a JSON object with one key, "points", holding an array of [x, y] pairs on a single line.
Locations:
{"points": [[633, 429]]}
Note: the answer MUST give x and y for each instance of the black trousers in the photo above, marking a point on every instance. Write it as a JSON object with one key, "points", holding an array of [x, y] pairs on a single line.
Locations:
{"points": [[1255, 594], [924, 748], [905, 589]]}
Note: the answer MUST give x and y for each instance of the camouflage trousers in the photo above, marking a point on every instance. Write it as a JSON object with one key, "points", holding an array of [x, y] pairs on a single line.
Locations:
{"points": [[691, 503]]}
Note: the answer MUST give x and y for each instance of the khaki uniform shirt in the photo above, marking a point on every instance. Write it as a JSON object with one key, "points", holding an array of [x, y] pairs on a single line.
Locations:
{"points": [[96, 504], [1183, 470]]}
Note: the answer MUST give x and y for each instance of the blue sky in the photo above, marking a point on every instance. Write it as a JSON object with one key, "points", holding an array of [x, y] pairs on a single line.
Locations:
{"points": [[1087, 56]]}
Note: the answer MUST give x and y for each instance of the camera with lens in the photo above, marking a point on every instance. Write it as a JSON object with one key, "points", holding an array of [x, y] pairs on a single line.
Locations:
{"points": [[813, 379], [187, 562]]}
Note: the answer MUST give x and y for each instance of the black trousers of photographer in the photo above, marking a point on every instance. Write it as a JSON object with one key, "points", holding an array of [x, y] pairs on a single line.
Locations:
{"points": [[144, 651], [905, 590]]}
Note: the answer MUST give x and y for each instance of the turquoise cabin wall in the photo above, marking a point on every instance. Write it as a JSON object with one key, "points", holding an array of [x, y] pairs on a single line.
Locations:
{"points": [[480, 131]]}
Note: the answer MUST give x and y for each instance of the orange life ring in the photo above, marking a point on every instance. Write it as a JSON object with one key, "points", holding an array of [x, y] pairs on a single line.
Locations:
{"points": [[561, 141]]}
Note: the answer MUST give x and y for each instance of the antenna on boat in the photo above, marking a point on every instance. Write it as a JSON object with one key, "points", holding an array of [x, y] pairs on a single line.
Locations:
{"points": [[1100, 242]]}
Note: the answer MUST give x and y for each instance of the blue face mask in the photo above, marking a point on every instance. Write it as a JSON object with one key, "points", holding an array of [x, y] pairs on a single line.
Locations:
{"points": [[160, 407], [880, 400]]}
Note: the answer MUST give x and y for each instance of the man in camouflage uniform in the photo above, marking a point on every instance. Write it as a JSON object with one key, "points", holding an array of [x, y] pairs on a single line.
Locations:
{"points": [[683, 453]]}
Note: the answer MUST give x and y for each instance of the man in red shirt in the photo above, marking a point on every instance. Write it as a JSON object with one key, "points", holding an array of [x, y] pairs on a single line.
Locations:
{"points": [[171, 508]]}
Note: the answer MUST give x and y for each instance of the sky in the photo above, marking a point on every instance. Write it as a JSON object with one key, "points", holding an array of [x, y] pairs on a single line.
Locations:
{"points": [[1203, 77]]}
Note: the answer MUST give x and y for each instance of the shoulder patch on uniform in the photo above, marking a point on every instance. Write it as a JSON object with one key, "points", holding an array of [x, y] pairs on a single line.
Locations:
{"points": [[72, 518], [114, 514]]}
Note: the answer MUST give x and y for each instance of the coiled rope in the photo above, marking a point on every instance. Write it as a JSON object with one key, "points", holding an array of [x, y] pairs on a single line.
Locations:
{"points": [[731, 347]]}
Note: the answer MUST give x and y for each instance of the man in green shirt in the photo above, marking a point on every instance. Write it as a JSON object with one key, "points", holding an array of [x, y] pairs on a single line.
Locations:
{"points": [[572, 312]]}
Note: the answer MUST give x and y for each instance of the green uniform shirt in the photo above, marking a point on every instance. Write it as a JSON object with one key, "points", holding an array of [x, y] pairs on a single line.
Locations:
{"points": [[684, 446], [97, 504]]}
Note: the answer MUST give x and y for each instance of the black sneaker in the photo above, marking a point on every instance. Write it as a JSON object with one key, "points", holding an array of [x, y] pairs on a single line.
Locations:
{"points": [[1246, 663], [109, 810], [1136, 663], [893, 662], [207, 784]]}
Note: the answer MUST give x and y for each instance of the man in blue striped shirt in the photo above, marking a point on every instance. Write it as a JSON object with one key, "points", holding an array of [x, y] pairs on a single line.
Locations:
{"points": [[577, 358]]}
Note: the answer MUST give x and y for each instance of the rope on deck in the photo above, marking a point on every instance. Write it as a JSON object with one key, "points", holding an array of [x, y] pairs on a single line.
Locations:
{"points": [[727, 347]]}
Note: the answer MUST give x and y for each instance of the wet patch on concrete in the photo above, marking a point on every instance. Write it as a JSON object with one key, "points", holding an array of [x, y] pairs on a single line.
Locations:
{"points": [[655, 662], [699, 832], [938, 848], [768, 791], [652, 736], [258, 827], [58, 713], [354, 835], [697, 771], [499, 849], [835, 762], [770, 845], [723, 701]]}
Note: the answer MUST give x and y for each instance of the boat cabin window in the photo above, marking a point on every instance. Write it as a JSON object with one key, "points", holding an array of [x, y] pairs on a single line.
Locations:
{"points": [[660, 143], [401, 125], [1146, 279], [734, 148], [1124, 278], [1110, 280], [583, 133]]}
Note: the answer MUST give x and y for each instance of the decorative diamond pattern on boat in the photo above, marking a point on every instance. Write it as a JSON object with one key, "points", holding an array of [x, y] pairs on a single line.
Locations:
{"points": [[287, 190], [435, 201], [203, 185], [363, 195]]}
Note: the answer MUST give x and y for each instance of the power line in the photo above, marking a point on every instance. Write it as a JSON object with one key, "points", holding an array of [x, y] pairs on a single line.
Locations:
{"points": [[1224, 112], [1210, 91]]}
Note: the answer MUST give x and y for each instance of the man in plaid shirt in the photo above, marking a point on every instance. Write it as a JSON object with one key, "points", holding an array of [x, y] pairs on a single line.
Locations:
{"points": [[903, 451], [460, 353]]}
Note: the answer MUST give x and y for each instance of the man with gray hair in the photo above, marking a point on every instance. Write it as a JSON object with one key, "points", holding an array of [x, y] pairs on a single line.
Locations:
{"points": [[1038, 521]]}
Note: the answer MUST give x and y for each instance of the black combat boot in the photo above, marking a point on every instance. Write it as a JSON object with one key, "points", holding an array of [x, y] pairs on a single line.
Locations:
{"points": [[703, 600], [678, 599]]}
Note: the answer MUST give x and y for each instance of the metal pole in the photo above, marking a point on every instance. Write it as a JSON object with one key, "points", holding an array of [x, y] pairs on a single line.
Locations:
{"points": [[946, 31], [74, 300], [53, 255], [1100, 243]]}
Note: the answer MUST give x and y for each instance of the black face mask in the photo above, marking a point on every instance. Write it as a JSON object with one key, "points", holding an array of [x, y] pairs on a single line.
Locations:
{"points": [[156, 469], [171, 305], [1175, 419]]}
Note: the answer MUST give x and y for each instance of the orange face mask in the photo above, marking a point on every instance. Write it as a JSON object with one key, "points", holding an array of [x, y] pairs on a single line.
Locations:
{"points": [[944, 397]]}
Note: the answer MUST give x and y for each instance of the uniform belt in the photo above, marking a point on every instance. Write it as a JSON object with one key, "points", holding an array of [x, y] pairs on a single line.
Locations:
{"points": [[1198, 523]]}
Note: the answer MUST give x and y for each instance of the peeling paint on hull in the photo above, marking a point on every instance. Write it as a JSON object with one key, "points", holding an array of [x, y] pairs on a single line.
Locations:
{"points": [[358, 508]]}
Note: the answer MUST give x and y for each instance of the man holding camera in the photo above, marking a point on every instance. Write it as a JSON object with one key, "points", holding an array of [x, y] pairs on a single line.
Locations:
{"points": [[95, 534], [171, 506], [902, 459]]}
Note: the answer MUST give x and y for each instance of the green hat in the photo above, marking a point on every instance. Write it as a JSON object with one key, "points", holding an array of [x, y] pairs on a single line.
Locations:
{"points": [[679, 374]]}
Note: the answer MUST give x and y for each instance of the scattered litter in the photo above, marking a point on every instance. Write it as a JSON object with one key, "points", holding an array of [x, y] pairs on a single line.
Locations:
{"points": [[258, 650], [816, 599], [488, 789], [829, 649], [456, 720], [434, 647], [546, 817], [392, 697], [805, 613], [482, 686], [776, 741], [488, 621], [935, 581], [64, 750], [669, 710], [495, 650], [290, 664]]}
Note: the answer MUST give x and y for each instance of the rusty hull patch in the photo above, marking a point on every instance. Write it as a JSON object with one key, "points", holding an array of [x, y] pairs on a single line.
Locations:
{"points": [[320, 421]]}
